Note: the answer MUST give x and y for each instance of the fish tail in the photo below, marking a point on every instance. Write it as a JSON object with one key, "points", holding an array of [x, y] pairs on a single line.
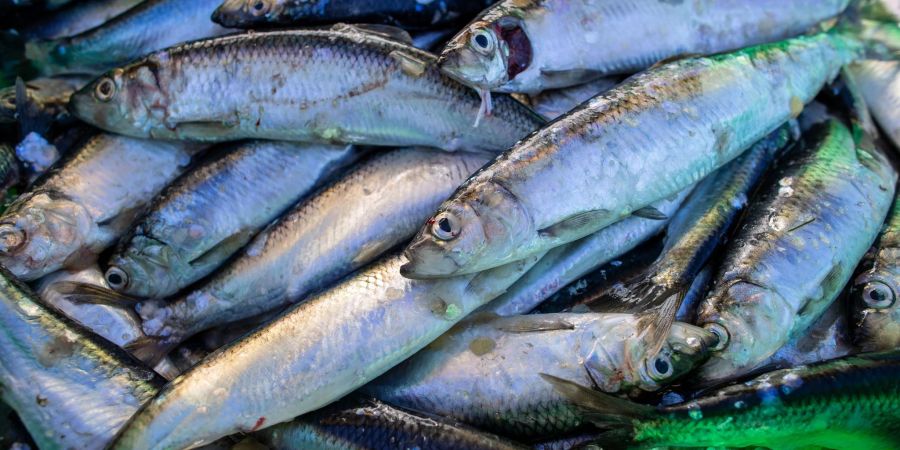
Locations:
{"points": [[601, 409], [151, 349], [91, 294]]}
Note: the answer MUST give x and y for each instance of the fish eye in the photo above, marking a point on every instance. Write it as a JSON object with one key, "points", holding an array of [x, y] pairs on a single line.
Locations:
{"points": [[483, 41], [116, 278], [445, 226], [721, 335], [878, 295], [105, 89], [661, 367], [259, 8]]}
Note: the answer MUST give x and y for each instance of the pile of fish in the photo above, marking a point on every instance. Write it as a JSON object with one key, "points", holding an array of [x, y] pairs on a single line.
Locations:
{"points": [[452, 224]]}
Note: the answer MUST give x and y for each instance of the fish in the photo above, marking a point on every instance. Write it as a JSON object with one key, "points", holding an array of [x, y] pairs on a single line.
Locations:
{"points": [[49, 95], [10, 169], [828, 338], [408, 14], [209, 214], [344, 226], [556, 102], [879, 84], [76, 18], [881, 10], [804, 407], [648, 138], [315, 353], [279, 85], [149, 26], [71, 388], [85, 204], [373, 424], [485, 371], [694, 233], [531, 46], [876, 312], [796, 248], [565, 264]]}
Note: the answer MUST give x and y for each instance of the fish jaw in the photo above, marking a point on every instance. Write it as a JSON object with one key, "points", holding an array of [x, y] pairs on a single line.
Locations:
{"points": [[876, 312], [124, 101], [149, 268]]}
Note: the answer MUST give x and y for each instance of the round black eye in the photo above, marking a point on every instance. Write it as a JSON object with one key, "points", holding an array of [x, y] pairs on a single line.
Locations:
{"points": [[445, 226], [259, 6], [105, 89], [481, 40], [661, 365], [116, 278], [878, 295]]}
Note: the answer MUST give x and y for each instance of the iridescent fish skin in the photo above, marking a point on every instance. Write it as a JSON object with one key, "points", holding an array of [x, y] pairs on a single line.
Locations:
{"points": [[556, 102], [280, 85], [607, 155], [485, 371], [528, 46], [77, 18], [876, 290], [797, 247], [82, 207], [879, 83], [203, 218], [312, 355], [71, 388]]}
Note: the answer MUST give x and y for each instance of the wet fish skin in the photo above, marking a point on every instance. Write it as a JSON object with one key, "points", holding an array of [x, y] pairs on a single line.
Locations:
{"points": [[709, 109], [71, 388], [556, 102], [149, 26], [76, 18], [278, 85], [830, 337], [876, 312], [203, 218], [47, 96], [784, 267], [313, 354], [485, 371], [86, 203], [410, 14], [879, 83], [376, 425], [530, 46]]}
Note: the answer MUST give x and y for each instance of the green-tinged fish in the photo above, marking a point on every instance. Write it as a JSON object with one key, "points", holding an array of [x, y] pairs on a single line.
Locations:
{"points": [[149, 26], [76, 18], [567, 263], [694, 233], [876, 309], [72, 389], [375, 425], [203, 218], [646, 139], [282, 85], [556, 102], [533, 45], [312, 355], [346, 225], [797, 247], [83, 206], [850, 403], [879, 83], [485, 371], [410, 14]]}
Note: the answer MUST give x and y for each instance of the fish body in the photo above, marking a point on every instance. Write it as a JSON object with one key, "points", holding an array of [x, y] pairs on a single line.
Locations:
{"points": [[830, 337], [556, 102], [77, 18], [203, 218], [313, 354], [377, 425], [485, 371], [876, 310], [530, 46], [879, 83], [149, 26], [650, 137], [80, 208], [796, 249], [281, 85], [71, 388], [410, 14]]}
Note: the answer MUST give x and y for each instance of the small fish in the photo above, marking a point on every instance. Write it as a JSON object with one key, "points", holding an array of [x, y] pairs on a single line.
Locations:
{"points": [[876, 311], [203, 218], [281, 85], [485, 371], [409, 14], [375, 425], [646, 139], [76, 18], [798, 244], [82, 207], [879, 83], [816, 406]]}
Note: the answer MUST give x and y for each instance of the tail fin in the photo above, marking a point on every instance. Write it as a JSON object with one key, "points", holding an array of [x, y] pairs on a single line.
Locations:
{"points": [[151, 349], [602, 409], [92, 294]]}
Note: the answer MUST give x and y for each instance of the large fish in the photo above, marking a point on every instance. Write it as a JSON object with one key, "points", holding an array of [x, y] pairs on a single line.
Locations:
{"points": [[281, 85], [485, 371], [203, 218], [533, 45], [312, 355], [650, 137], [797, 247], [79, 209]]}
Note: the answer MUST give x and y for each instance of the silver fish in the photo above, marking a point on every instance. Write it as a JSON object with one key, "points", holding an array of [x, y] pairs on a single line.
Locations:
{"points": [[556, 102], [76, 18], [879, 83], [828, 338]]}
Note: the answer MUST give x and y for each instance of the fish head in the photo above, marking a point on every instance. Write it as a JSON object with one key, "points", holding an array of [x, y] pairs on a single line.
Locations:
{"points": [[127, 100], [147, 268], [481, 224], [686, 348], [40, 232], [489, 52], [244, 13], [751, 322], [876, 311]]}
